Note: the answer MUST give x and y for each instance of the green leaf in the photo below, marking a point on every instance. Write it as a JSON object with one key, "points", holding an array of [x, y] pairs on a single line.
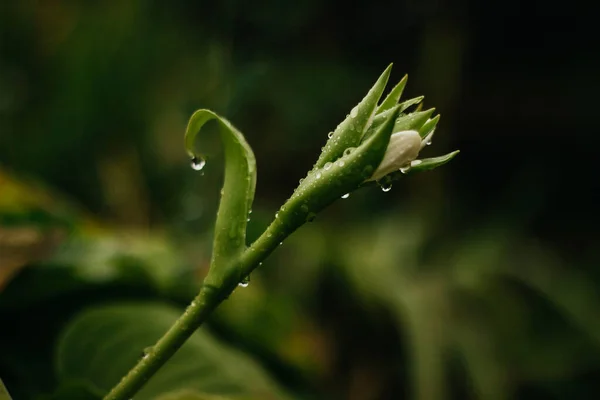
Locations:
{"points": [[3, 392], [392, 98], [325, 185], [103, 343], [237, 193], [350, 131]]}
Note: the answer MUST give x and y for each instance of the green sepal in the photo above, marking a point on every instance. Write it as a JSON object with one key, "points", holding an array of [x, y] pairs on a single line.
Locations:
{"points": [[427, 164], [324, 185], [429, 126], [378, 120], [238, 188], [350, 131], [392, 98], [410, 102], [413, 121]]}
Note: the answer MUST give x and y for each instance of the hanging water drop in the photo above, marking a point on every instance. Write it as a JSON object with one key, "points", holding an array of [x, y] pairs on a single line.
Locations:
{"points": [[354, 112], [386, 187], [428, 143], [245, 282], [346, 196], [405, 169], [198, 163]]}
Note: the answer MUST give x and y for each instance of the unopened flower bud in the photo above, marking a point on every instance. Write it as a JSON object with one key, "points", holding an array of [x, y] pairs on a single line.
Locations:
{"points": [[403, 148]]}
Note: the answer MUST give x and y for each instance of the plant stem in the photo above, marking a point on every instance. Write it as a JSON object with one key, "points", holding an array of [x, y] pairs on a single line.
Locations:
{"points": [[201, 307]]}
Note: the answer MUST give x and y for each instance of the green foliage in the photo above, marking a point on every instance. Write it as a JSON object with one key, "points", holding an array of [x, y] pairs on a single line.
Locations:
{"points": [[3, 392], [124, 333]]}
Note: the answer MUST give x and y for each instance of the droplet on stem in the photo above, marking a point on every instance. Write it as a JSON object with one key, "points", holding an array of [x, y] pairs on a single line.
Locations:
{"points": [[245, 282], [346, 196]]}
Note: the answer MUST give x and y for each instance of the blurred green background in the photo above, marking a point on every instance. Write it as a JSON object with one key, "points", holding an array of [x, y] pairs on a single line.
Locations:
{"points": [[478, 280]]}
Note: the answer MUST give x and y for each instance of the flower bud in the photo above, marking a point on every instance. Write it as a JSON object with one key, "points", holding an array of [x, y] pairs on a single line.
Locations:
{"points": [[403, 148]]}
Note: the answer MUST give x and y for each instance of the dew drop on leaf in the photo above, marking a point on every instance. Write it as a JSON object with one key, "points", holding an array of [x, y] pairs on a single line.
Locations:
{"points": [[349, 151], [327, 166], [329, 135], [354, 112]]}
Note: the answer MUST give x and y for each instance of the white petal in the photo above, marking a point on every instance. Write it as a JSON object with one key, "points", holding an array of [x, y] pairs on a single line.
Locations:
{"points": [[403, 148]]}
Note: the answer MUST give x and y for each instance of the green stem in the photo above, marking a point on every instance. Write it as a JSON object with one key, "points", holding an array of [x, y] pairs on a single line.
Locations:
{"points": [[201, 307]]}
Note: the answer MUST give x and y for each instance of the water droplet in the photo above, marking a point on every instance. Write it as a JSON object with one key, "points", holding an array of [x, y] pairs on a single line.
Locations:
{"points": [[301, 180], [346, 196], [250, 212], [349, 151], [245, 282], [415, 162], [280, 243], [386, 187], [310, 217], [329, 135], [276, 215], [198, 163], [341, 163], [405, 169], [318, 175], [428, 143], [327, 166], [354, 112], [248, 220]]}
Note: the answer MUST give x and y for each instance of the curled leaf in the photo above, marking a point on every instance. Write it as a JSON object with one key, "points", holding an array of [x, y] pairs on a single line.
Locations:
{"points": [[237, 193]]}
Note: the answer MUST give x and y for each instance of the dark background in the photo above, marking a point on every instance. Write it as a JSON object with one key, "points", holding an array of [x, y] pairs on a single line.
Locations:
{"points": [[489, 265]]}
